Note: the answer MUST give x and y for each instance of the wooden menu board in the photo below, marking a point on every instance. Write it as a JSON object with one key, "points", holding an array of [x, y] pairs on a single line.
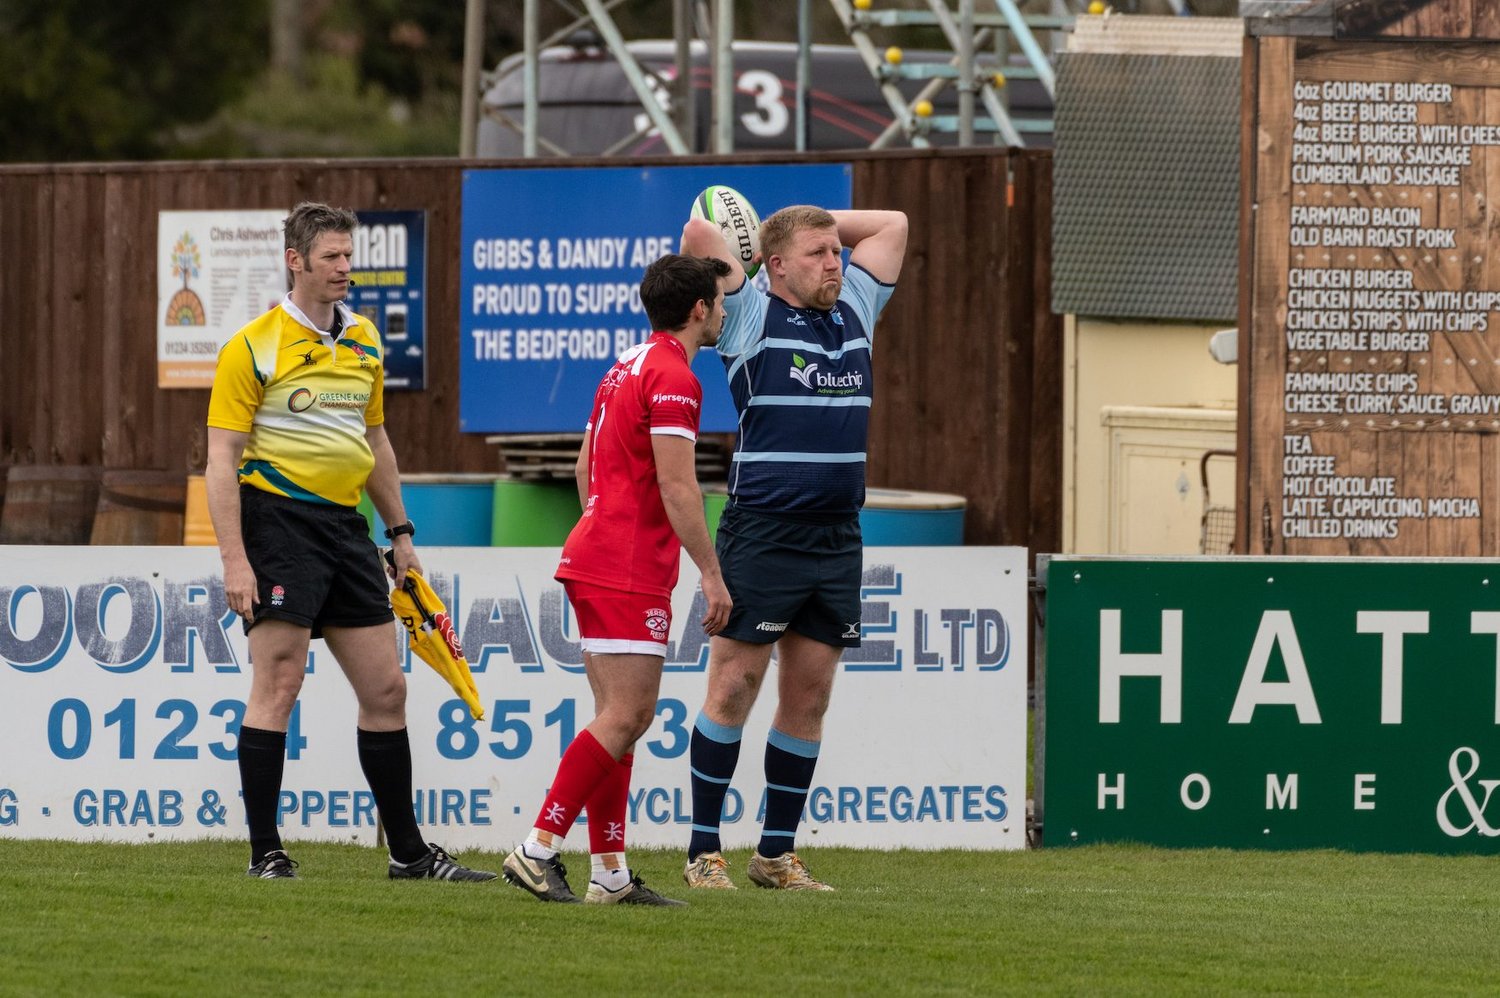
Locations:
{"points": [[1371, 380]]}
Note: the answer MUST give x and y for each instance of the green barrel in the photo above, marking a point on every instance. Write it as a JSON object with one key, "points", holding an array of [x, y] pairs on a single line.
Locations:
{"points": [[367, 507], [533, 514], [715, 495]]}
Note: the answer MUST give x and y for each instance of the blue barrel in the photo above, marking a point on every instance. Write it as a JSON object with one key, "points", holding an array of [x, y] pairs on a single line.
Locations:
{"points": [[449, 510], [899, 518]]}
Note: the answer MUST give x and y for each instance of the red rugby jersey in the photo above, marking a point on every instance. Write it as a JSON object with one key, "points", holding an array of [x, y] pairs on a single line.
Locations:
{"points": [[624, 539]]}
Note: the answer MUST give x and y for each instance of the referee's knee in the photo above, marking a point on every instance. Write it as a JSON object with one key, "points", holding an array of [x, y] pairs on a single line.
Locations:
{"points": [[387, 696]]}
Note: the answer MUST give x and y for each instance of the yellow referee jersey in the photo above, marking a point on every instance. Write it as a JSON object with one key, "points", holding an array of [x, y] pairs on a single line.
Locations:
{"points": [[305, 403]]}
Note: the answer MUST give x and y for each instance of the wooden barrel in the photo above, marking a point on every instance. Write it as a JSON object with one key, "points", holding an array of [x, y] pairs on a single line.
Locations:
{"points": [[140, 507], [49, 504]]}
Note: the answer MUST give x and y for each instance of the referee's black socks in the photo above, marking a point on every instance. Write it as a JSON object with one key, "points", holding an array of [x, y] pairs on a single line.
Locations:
{"points": [[385, 757], [262, 757]]}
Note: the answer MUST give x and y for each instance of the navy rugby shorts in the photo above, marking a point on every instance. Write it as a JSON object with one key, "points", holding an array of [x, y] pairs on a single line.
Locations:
{"points": [[314, 565], [785, 575]]}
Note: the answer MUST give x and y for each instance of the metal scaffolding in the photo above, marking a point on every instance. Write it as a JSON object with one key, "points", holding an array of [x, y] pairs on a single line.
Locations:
{"points": [[981, 64]]}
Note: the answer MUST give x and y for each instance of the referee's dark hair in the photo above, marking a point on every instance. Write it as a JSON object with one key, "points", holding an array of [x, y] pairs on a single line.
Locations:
{"points": [[675, 283], [312, 218]]}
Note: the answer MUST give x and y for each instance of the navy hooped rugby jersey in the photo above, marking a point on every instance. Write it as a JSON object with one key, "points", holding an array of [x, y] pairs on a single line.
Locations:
{"points": [[802, 385]]}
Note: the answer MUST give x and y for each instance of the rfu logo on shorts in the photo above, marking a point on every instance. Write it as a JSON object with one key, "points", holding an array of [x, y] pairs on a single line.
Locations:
{"points": [[278, 595], [657, 622], [773, 626]]}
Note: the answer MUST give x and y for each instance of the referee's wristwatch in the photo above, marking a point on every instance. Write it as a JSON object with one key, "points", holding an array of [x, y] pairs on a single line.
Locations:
{"points": [[408, 528]]}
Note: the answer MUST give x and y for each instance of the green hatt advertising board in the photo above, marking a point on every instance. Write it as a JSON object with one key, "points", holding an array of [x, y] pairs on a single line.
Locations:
{"points": [[1271, 703]]}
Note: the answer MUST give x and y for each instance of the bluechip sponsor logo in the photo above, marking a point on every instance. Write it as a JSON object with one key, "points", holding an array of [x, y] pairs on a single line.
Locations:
{"points": [[807, 376], [772, 626], [840, 384], [802, 371]]}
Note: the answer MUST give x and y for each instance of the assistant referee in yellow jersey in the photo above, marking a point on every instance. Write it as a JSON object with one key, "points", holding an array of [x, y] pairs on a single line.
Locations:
{"points": [[296, 431]]}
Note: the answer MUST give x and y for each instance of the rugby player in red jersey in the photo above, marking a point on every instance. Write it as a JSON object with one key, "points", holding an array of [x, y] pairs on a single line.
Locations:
{"points": [[641, 507]]}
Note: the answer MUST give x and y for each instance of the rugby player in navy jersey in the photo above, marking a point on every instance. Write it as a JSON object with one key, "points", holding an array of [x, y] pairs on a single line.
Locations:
{"points": [[799, 367]]}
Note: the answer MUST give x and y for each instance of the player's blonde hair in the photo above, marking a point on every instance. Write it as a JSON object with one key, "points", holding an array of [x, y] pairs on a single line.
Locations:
{"points": [[777, 231]]}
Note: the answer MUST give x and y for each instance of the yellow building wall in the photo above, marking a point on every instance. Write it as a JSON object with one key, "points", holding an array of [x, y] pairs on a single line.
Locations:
{"points": [[1142, 402]]}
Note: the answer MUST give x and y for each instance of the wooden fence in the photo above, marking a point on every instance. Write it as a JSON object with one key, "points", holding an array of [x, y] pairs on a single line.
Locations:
{"points": [[968, 364]]}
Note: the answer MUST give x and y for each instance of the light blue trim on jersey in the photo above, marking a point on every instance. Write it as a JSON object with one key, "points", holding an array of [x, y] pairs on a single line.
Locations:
{"points": [[775, 418], [721, 733], [746, 307], [822, 351], [817, 400], [866, 295], [785, 344], [804, 457], [745, 311], [796, 746]]}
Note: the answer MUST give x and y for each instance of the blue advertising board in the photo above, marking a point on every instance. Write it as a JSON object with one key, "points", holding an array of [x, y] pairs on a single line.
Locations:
{"points": [[549, 290], [389, 270]]}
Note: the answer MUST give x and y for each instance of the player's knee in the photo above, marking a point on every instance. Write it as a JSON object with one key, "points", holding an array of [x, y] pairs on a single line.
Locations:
{"points": [[388, 695], [639, 720], [627, 722], [277, 704], [279, 689], [733, 701], [810, 704]]}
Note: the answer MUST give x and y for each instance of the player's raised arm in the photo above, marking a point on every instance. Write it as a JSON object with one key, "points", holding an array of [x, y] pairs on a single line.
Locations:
{"points": [[876, 240], [700, 237]]}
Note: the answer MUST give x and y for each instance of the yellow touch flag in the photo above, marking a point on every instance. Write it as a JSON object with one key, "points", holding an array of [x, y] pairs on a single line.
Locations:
{"points": [[431, 635]]}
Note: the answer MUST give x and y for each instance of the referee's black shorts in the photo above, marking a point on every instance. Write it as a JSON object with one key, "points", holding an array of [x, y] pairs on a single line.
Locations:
{"points": [[314, 565], [785, 575]]}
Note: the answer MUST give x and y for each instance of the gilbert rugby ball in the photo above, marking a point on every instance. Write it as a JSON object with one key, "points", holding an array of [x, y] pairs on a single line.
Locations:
{"points": [[732, 212]]}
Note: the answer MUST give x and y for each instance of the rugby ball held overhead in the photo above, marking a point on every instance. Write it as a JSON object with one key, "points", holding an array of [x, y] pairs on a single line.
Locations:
{"points": [[732, 212]]}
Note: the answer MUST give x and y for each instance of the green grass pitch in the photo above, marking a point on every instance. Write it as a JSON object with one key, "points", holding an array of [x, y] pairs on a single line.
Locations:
{"points": [[181, 919]]}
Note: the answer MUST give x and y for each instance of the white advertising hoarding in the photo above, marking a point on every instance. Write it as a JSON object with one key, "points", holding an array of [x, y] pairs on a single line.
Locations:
{"points": [[215, 271], [125, 677]]}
